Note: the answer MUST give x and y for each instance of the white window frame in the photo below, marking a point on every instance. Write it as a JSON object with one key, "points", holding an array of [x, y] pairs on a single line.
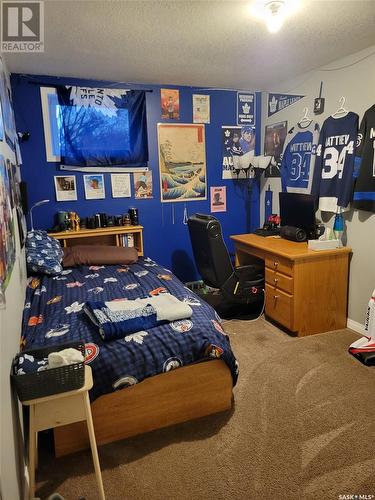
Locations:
{"points": [[44, 92]]}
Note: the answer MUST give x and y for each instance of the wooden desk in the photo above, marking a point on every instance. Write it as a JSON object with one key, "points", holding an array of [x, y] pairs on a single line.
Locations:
{"points": [[306, 290], [102, 236]]}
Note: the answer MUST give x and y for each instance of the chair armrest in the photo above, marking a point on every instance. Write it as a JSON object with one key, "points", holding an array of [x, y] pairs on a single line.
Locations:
{"points": [[249, 273], [244, 284]]}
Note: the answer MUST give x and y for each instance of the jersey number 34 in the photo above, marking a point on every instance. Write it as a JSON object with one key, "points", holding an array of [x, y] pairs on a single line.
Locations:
{"points": [[334, 162]]}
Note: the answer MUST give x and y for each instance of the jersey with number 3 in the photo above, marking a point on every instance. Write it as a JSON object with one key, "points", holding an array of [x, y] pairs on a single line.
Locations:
{"points": [[297, 165], [364, 192], [334, 163]]}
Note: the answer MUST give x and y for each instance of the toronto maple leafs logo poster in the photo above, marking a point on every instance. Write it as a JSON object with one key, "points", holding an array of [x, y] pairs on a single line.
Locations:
{"points": [[238, 145], [245, 108]]}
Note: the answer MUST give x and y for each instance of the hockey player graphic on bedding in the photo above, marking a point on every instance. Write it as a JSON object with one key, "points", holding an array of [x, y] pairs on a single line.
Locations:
{"points": [[298, 158], [122, 362], [334, 164]]}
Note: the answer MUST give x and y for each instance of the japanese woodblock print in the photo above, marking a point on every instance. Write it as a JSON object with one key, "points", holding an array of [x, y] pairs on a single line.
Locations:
{"points": [[182, 162]]}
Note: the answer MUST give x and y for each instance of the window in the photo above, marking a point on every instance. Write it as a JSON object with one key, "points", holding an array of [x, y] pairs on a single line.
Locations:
{"points": [[87, 127], [50, 110]]}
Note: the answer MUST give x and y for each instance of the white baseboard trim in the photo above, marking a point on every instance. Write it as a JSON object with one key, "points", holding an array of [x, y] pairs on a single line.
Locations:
{"points": [[354, 325]]}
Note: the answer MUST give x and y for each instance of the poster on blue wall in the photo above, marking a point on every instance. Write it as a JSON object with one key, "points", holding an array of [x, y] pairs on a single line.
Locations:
{"points": [[1, 124], [7, 238], [278, 102], [6, 109], [102, 127], [238, 145], [182, 162], [245, 108]]}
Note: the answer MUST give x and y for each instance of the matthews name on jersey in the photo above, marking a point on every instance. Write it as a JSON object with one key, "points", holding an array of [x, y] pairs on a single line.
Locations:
{"points": [[364, 191], [297, 165], [334, 162]]}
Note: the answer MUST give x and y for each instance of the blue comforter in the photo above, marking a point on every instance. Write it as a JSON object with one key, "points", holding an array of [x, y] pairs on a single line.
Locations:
{"points": [[54, 315]]}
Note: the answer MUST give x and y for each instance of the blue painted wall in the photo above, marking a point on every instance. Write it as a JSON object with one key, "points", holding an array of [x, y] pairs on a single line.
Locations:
{"points": [[164, 241]]}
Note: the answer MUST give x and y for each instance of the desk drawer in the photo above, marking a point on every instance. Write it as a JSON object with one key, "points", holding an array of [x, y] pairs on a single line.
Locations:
{"points": [[279, 280], [280, 264], [279, 306]]}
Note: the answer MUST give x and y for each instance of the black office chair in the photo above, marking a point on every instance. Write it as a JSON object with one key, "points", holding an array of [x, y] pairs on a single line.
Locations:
{"points": [[239, 291]]}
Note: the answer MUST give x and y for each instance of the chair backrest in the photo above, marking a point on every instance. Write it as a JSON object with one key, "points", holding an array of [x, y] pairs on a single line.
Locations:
{"points": [[210, 253]]}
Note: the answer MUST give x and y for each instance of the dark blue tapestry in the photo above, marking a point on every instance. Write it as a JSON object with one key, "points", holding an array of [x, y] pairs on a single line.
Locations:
{"points": [[102, 127], [54, 315]]}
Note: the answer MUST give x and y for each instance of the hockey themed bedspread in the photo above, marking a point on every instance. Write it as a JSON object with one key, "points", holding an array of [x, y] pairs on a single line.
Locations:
{"points": [[54, 314]]}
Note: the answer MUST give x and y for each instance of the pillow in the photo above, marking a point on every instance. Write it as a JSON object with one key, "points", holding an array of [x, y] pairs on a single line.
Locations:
{"points": [[86, 255], [43, 253]]}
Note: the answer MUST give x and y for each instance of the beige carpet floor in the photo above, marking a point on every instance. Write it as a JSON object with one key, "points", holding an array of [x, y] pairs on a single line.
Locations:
{"points": [[303, 427]]}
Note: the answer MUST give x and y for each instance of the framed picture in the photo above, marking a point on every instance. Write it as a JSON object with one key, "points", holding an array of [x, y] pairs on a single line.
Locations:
{"points": [[65, 187], [94, 186], [2, 123], [218, 197], [238, 149], [7, 111], [182, 162], [274, 139], [7, 233], [120, 184], [170, 104], [201, 108], [143, 185]]}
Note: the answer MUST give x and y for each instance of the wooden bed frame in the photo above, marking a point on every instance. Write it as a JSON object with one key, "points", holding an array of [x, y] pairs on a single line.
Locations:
{"points": [[169, 398]]}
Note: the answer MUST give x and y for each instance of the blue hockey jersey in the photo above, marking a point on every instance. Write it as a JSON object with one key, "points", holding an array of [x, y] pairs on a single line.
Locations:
{"points": [[297, 165], [334, 163], [364, 192]]}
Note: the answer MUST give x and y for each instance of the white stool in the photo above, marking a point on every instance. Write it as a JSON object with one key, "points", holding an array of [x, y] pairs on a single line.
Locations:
{"points": [[62, 409]]}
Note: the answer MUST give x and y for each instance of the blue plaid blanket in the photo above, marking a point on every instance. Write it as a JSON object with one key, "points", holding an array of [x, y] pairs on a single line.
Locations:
{"points": [[54, 314]]}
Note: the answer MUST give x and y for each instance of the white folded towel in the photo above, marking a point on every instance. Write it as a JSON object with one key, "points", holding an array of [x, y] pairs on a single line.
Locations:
{"points": [[65, 357]]}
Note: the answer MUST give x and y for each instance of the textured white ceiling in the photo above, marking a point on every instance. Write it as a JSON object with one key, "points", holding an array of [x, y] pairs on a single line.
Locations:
{"points": [[200, 43]]}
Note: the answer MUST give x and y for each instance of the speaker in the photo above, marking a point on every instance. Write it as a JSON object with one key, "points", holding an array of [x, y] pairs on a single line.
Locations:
{"points": [[293, 233]]}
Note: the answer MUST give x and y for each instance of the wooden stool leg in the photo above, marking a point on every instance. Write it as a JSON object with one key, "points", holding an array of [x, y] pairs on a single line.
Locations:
{"points": [[94, 451], [36, 451], [32, 452]]}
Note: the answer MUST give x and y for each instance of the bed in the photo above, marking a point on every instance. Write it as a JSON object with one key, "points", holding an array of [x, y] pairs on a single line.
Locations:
{"points": [[137, 386]]}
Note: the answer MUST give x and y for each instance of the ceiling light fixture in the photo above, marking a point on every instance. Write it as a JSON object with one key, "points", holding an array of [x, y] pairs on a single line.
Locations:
{"points": [[273, 12], [275, 16]]}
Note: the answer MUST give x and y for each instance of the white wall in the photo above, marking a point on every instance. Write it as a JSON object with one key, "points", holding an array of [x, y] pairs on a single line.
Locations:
{"points": [[11, 452], [355, 81]]}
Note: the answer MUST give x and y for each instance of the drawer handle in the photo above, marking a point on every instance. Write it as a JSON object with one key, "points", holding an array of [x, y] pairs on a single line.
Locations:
{"points": [[275, 264], [275, 297], [275, 280]]}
